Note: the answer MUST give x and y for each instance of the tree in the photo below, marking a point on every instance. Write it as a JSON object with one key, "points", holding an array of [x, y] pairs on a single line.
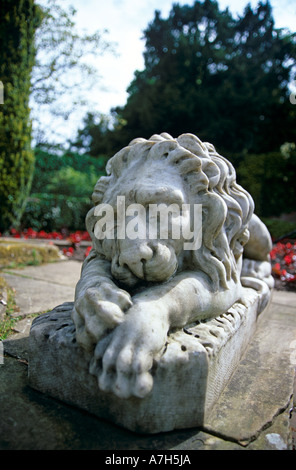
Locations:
{"points": [[18, 22], [38, 47], [99, 137], [224, 79], [63, 73]]}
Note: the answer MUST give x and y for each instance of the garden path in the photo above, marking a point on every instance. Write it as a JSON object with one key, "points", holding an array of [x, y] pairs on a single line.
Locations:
{"points": [[259, 420]]}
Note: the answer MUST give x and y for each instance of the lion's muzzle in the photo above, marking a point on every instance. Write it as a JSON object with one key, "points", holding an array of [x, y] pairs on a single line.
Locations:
{"points": [[143, 261]]}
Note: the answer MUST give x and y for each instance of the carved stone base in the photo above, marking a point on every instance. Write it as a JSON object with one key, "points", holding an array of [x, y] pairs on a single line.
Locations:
{"points": [[188, 377]]}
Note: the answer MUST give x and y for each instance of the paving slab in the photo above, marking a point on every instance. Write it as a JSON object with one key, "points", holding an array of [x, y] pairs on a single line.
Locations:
{"points": [[41, 288], [281, 297], [262, 385], [65, 273]]}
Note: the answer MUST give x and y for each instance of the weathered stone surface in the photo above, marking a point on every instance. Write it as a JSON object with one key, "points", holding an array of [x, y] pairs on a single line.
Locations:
{"points": [[262, 385], [194, 368], [30, 420]]}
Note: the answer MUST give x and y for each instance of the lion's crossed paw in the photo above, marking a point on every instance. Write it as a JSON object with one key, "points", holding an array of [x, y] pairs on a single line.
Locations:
{"points": [[123, 360]]}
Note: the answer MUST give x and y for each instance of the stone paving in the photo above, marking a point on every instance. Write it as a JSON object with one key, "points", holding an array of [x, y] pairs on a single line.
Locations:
{"points": [[255, 411]]}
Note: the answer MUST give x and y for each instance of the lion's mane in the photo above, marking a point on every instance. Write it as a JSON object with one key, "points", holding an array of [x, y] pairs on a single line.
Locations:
{"points": [[210, 180]]}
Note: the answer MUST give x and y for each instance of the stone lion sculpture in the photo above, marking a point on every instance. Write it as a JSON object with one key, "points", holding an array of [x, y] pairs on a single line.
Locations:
{"points": [[133, 292]]}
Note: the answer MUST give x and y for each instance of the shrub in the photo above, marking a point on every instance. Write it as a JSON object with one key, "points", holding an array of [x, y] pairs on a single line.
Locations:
{"points": [[54, 212], [48, 163], [280, 228], [61, 190], [270, 179], [71, 182]]}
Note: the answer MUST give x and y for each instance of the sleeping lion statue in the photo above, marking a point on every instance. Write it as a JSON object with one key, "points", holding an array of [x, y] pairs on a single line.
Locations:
{"points": [[135, 290]]}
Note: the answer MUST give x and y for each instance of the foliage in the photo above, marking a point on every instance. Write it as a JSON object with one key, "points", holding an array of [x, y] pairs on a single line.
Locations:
{"points": [[48, 162], [54, 212], [18, 22], [13, 254], [270, 179], [25, 29], [223, 79], [100, 136], [280, 229], [71, 182], [10, 316], [61, 190]]}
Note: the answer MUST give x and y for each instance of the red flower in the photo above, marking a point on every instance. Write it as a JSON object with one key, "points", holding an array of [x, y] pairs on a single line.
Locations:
{"points": [[273, 254], [87, 251], [30, 233], [15, 233], [288, 259], [68, 251], [75, 237], [277, 269], [42, 234]]}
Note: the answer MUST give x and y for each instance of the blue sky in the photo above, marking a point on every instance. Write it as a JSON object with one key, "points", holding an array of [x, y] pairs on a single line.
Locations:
{"points": [[125, 20]]}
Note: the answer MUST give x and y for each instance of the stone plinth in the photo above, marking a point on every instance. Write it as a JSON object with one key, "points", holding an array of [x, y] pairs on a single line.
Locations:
{"points": [[188, 377]]}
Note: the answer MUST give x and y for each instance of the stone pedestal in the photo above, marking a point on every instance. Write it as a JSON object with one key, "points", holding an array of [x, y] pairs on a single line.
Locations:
{"points": [[188, 377]]}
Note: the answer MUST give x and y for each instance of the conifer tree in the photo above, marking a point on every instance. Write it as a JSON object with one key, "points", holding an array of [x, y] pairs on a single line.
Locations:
{"points": [[18, 22]]}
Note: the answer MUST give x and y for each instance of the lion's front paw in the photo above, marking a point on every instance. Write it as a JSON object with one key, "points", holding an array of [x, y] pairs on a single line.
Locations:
{"points": [[122, 369], [98, 311], [123, 360]]}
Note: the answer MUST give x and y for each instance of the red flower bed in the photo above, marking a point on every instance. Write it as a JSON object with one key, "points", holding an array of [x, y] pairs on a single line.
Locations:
{"points": [[74, 238], [283, 259]]}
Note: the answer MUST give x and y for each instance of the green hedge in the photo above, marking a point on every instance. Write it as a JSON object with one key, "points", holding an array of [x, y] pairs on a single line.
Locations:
{"points": [[280, 228], [270, 179]]}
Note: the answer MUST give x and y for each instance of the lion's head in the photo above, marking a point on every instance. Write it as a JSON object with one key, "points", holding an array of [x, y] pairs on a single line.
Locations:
{"points": [[173, 171]]}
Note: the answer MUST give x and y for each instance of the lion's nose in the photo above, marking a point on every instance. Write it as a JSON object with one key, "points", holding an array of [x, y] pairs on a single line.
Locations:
{"points": [[135, 259]]}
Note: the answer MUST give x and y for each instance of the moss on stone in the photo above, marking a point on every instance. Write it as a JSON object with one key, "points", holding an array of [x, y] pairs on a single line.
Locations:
{"points": [[13, 254]]}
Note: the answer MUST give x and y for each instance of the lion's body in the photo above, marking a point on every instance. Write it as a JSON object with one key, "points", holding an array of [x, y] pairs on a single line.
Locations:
{"points": [[176, 286]]}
